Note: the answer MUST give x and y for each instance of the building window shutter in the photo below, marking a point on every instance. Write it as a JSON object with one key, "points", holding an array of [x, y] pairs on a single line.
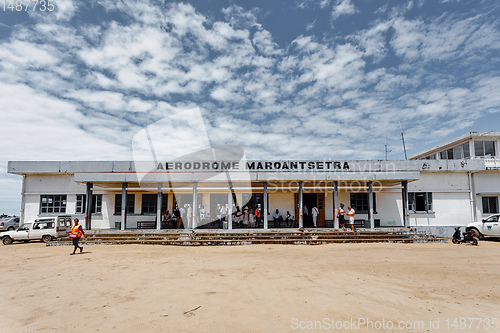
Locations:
{"points": [[411, 201], [429, 202]]}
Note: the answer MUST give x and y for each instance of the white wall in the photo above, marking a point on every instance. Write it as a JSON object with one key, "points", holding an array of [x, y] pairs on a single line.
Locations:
{"points": [[486, 182], [451, 199], [450, 209], [50, 184]]}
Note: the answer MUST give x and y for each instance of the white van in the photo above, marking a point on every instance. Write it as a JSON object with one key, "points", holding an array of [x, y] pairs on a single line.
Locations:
{"points": [[45, 228]]}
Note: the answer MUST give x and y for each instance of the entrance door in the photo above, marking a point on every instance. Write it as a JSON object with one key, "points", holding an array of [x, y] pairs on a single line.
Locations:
{"points": [[321, 208], [312, 200]]}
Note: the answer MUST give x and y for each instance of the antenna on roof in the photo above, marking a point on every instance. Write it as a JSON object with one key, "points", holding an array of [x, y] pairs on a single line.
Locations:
{"points": [[403, 138], [386, 150]]}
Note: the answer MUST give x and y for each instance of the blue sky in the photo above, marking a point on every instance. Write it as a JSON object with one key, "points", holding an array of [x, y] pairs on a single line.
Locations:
{"points": [[282, 79]]}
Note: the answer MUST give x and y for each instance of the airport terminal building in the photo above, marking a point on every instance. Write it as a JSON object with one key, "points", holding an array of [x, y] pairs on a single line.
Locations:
{"points": [[452, 184]]}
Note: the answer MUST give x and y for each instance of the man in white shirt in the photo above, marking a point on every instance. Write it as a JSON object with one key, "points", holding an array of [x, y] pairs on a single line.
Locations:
{"points": [[223, 211], [351, 212], [315, 213]]}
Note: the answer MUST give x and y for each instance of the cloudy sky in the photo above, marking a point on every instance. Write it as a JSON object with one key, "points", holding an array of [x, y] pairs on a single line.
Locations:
{"points": [[289, 79]]}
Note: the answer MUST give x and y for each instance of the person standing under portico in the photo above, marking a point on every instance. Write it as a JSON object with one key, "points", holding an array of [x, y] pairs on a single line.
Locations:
{"points": [[351, 212], [306, 215], [315, 213], [341, 216]]}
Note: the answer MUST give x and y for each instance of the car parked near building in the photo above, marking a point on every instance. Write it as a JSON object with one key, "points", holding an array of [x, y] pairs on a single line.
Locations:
{"points": [[9, 223], [45, 229], [488, 227]]}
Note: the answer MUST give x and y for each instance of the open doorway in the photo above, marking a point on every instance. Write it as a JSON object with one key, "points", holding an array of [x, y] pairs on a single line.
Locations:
{"points": [[312, 200]]}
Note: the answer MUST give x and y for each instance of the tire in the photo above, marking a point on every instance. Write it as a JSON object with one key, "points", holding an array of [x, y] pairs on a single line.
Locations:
{"points": [[475, 240], [454, 241], [7, 240], [46, 238], [10, 228], [477, 233]]}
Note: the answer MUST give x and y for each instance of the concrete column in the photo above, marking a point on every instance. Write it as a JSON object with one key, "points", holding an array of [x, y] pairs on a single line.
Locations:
{"points": [[264, 211], [230, 206], [405, 202], [473, 197], [124, 206], [370, 205], [88, 210], [335, 204], [195, 205], [159, 199], [301, 205], [23, 201]]}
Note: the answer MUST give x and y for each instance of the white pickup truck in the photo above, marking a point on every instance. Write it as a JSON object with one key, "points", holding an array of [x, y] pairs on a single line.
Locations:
{"points": [[46, 229], [489, 227]]}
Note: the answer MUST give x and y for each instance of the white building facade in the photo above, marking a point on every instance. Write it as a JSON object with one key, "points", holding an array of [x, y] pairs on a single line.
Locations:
{"points": [[423, 192], [482, 187]]}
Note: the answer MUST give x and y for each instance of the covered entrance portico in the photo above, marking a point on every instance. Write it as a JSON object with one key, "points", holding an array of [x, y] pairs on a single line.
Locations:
{"points": [[289, 193]]}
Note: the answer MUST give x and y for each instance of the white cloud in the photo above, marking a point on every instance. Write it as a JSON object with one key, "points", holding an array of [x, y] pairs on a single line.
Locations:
{"points": [[98, 84], [41, 127], [343, 7]]}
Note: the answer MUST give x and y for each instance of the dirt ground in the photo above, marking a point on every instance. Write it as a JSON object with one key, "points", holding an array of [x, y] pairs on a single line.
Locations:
{"points": [[255, 288]]}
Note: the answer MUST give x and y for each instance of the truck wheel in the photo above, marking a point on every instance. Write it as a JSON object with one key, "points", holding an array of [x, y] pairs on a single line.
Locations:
{"points": [[46, 238], [10, 228], [7, 240]]}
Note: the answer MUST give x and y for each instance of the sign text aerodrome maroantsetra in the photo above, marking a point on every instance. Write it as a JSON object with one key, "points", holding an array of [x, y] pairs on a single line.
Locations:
{"points": [[253, 165]]}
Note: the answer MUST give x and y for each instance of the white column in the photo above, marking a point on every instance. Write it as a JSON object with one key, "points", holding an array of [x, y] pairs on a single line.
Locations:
{"points": [[301, 206], [370, 205], [158, 206], [405, 202], [264, 211], [335, 204], [230, 206], [23, 201], [195, 216], [473, 197], [89, 204], [124, 206]]}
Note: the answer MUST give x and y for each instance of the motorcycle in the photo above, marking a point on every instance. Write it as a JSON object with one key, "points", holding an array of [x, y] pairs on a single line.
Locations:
{"points": [[469, 237]]}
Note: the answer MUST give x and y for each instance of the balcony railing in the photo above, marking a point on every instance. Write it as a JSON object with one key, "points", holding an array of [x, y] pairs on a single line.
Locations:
{"points": [[492, 162]]}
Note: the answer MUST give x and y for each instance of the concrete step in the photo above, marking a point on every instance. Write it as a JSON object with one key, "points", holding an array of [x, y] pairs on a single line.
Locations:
{"points": [[196, 238]]}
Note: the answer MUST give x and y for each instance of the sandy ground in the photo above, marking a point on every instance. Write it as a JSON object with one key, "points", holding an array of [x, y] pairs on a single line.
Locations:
{"points": [[257, 288]]}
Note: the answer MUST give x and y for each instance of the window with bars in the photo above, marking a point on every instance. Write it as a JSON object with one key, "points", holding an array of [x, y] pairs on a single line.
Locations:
{"points": [[359, 201], [130, 204], [420, 202], [149, 203], [53, 203], [490, 205], [81, 203]]}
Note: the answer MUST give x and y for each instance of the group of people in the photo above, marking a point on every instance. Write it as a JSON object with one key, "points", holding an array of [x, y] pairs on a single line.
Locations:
{"points": [[177, 217], [341, 216], [251, 216], [278, 219]]}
